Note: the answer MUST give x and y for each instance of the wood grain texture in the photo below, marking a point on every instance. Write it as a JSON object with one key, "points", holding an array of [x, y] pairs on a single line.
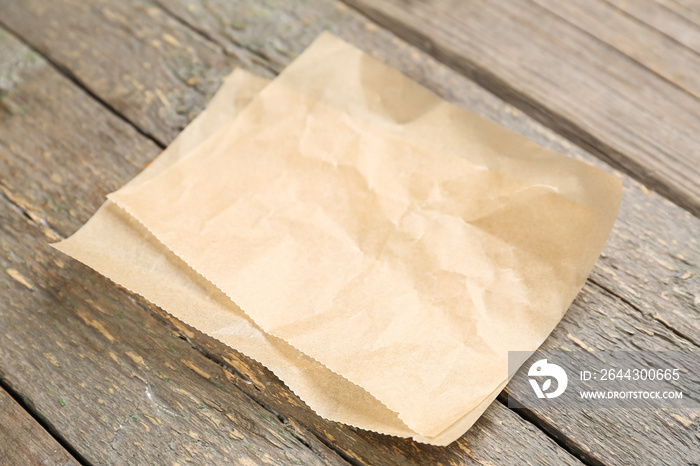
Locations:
{"points": [[565, 78], [651, 259], [24, 441], [651, 48], [117, 382], [664, 17], [162, 91], [689, 9]]}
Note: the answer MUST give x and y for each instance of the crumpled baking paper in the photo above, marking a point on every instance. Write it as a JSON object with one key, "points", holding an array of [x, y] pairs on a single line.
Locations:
{"points": [[386, 249], [116, 245]]}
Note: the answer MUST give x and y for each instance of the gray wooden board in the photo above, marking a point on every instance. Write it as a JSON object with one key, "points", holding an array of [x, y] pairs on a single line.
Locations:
{"points": [[689, 9], [566, 78], [92, 359], [651, 48], [24, 441], [652, 256], [663, 18], [161, 92]]}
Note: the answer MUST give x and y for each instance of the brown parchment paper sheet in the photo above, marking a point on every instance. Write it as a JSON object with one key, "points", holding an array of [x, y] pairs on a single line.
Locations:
{"points": [[119, 247], [402, 242]]}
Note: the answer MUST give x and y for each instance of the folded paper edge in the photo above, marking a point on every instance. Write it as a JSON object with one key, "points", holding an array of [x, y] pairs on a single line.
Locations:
{"points": [[417, 437], [401, 418]]}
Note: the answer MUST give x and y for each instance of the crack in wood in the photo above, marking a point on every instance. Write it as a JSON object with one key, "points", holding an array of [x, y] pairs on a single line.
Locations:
{"points": [[65, 72], [42, 420], [559, 437], [34, 219], [656, 318]]}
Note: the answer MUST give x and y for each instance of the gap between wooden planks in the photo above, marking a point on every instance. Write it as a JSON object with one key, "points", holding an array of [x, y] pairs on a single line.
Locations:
{"points": [[21, 437]]}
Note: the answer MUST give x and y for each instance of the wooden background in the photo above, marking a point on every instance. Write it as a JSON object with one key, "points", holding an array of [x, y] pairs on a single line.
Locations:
{"points": [[91, 90]]}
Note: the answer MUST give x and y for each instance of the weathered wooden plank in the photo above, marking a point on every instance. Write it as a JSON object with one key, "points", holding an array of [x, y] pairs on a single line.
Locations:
{"points": [[565, 78], [651, 259], [653, 49], [663, 18], [81, 336], [686, 8], [642, 241], [24, 441], [116, 384], [600, 321], [162, 91]]}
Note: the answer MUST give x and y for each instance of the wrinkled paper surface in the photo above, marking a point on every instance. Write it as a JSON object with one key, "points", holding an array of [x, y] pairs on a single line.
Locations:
{"points": [[386, 248], [116, 245]]}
